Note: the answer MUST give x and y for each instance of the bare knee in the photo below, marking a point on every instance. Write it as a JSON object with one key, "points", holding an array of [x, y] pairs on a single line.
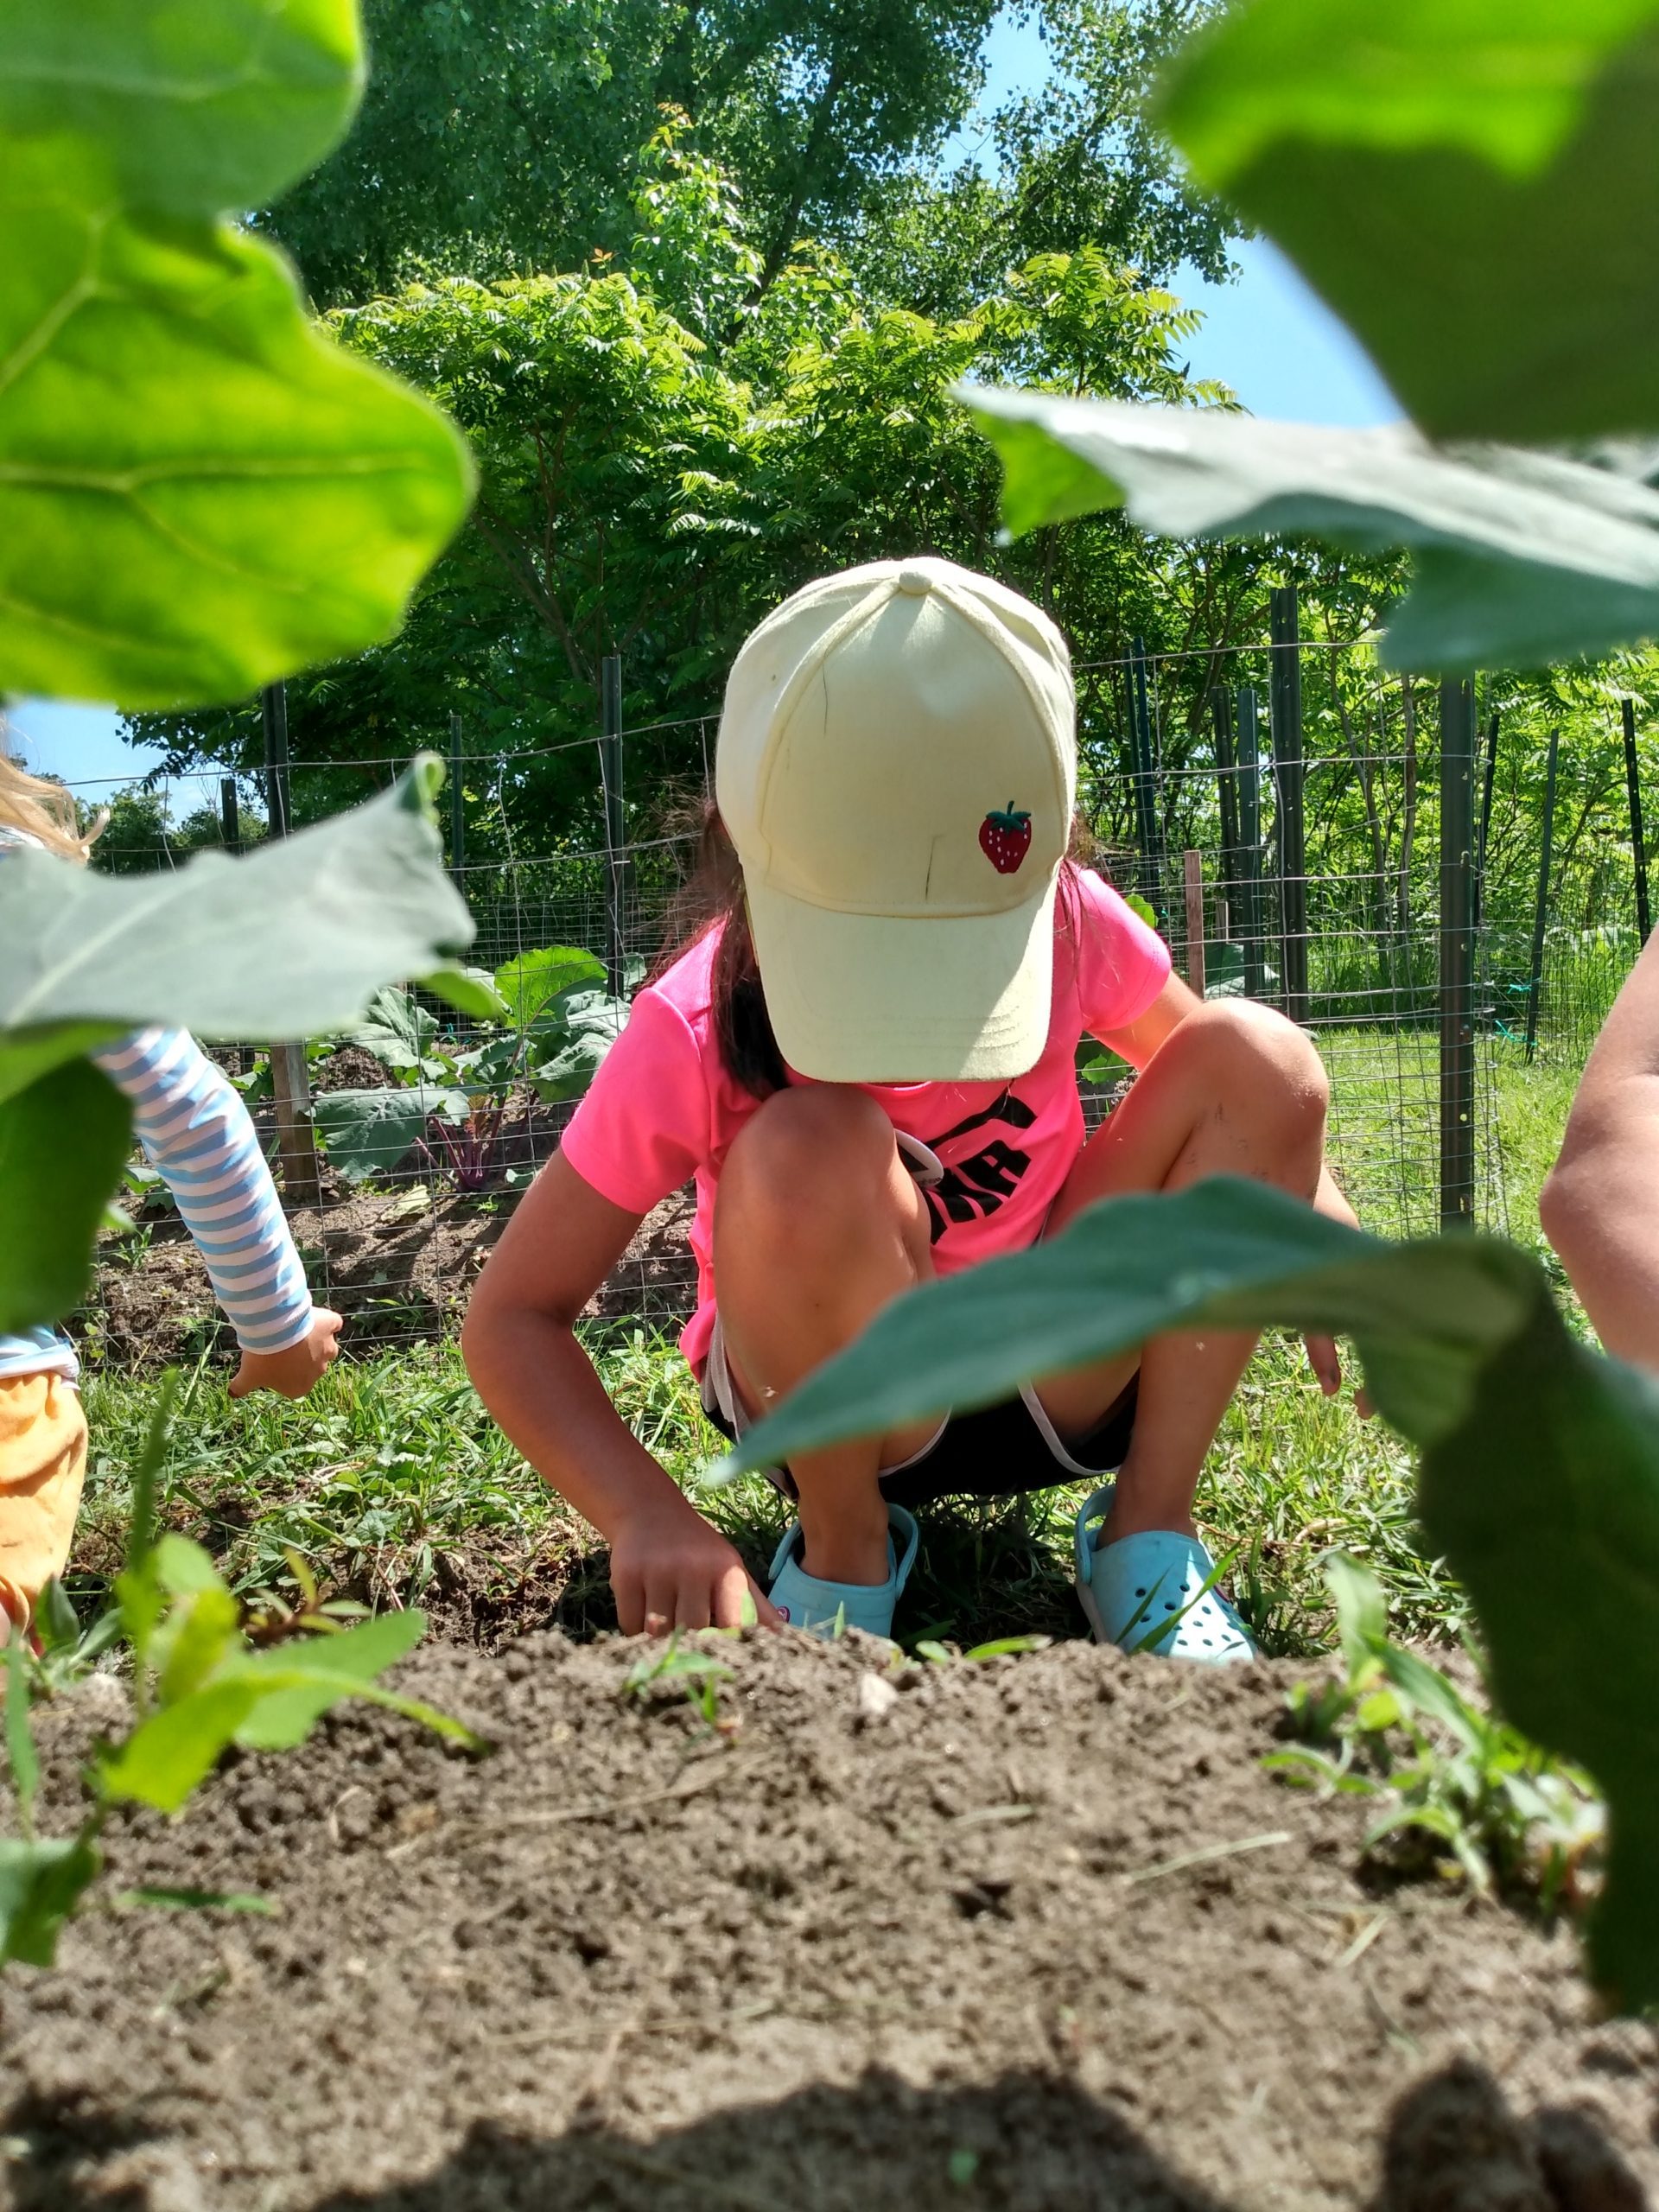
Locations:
{"points": [[1259, 1066], [811, 1161]]}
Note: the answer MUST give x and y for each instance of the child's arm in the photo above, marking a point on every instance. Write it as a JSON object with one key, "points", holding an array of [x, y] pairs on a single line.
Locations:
{"points": [[197, 1133], [669, 1568]]}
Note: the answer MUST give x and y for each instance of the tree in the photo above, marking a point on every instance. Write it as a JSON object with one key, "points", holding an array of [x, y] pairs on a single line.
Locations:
{"points": [[500, 141], [1075, 162]]}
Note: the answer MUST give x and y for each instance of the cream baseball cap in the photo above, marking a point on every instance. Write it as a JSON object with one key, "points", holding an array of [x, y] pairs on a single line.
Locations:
{"points": [[896, 767]]}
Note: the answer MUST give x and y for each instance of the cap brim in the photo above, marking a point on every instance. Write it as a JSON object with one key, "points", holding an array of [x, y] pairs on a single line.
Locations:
{"points": [[868, 998]]}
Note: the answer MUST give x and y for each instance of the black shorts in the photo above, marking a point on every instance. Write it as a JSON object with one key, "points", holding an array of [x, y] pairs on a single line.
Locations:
{"points": [[996, 1452]]}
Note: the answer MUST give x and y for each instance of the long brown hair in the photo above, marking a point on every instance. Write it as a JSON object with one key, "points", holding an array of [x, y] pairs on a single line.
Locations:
{"points": [[711, 898], [43, 809]]}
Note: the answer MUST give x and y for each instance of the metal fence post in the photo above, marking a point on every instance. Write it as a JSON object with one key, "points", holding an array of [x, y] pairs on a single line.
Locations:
{"points": [[230, 818], [457, 809], [1285, 714], [610, 770], [291, 1084], [1146, 791], [1534, 991], [273, 704], [1457, 952], [1220, 718], [1250, 840], [1639, 850], [1488, 775], [1193, 884]]}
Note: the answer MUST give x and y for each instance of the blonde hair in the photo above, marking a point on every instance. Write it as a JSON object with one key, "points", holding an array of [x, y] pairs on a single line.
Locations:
{"points": [[43, 810]]}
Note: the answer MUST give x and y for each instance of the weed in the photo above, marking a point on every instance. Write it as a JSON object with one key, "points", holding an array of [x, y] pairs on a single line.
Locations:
{"points": [[685, 1671], [1446, 1776]]}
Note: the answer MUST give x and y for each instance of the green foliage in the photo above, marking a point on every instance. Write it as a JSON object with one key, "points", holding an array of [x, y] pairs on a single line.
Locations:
{"points": [[1523, 558], [351, 902], [198, 1687], [502, 144], [347, 904], [49, 1221], [203, 104], [1540, 1459], [368, 1131], [201, 492], [1396, 1730], [679, 1670], [1468, 159]]}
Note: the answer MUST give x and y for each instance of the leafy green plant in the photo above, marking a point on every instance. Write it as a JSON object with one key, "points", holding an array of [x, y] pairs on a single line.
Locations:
{"points": [[452, 1100], [681, 1670], [198, 490], [1396, 1730], [198, 1687], [1539, 1477]]}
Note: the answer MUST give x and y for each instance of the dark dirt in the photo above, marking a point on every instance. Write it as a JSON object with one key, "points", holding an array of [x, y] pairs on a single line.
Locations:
{"points": [[1040, 1937], [399, 1265]]}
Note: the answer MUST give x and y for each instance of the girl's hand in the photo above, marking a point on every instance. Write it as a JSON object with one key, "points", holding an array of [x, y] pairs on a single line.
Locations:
{"points": [[671, 1570], [294, 1370], [1327, 1363]]}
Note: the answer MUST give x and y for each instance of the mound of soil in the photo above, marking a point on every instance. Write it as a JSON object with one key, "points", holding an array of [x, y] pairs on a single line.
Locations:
{"points": [[1032, 1936], [398, 1265]]}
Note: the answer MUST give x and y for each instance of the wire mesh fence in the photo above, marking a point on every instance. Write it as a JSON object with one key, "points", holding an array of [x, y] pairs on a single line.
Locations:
{"points": [[1282, 810]]}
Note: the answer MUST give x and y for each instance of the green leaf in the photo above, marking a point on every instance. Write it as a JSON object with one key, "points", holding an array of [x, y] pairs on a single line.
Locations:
{"points": [[1361, 1612], [397, 1028], [56, 1622], [206, 105], [40, 1883], [527, 983], [368, 1132], [355, 902], [194, 1642], [469, 990], [309, 1677], [185, 1570], [194, 1901], [1427, 1692], [1540, 1458], [199, 492], [167, 1756], [62, 1144], [20, 1760], [1469, 183], [1521, 559], [573, 1033]]}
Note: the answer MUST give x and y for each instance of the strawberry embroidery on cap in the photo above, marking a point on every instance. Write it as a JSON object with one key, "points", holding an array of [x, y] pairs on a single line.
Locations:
{"points": [[1005, 838]]}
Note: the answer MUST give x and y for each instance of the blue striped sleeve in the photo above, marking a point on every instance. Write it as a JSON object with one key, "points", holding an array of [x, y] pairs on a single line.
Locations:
{"points": [[197, 1133]]}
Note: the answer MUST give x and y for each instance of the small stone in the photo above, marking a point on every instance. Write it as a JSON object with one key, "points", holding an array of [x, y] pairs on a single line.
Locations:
{"points": [[876, 1698]]}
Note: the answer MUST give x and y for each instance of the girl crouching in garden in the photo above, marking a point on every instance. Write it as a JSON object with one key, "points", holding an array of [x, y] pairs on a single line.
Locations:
{"points": [[865, 1058]]}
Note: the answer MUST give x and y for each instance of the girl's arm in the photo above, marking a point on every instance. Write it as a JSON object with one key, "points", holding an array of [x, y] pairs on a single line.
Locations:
{"points": [[1136, 1044], [669, 1568], [197, 1133]]}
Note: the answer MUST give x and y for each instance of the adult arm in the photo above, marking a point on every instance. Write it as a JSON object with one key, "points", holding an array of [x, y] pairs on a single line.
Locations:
{"points": [[198, 1135], [668, 1567], [1600, 1206]]}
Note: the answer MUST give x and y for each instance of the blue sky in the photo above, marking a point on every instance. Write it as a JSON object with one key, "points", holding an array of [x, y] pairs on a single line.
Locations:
{"points": [[1268, 336]]}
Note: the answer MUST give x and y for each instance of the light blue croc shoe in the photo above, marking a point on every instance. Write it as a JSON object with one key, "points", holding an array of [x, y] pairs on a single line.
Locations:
{"points": [[1147, 1593], [823, 1608]]}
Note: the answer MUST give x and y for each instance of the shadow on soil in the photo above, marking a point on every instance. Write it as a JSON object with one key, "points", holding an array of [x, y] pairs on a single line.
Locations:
{"points": [[1029, 2141]]}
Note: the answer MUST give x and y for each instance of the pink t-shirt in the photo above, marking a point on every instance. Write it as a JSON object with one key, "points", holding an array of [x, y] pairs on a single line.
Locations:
{"points": [[663, 1109]]}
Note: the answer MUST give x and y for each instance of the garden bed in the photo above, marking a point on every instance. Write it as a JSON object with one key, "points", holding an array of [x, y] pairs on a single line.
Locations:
{"points": [[399, 1264], [1040, 1934]]}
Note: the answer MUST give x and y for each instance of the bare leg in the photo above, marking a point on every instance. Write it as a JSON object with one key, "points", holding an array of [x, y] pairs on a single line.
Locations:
{"points": [[817, 1225], [1237, 1090]]}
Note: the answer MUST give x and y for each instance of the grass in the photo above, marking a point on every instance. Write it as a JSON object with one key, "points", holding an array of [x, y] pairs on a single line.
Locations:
{"points": [[390, 1484]]}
